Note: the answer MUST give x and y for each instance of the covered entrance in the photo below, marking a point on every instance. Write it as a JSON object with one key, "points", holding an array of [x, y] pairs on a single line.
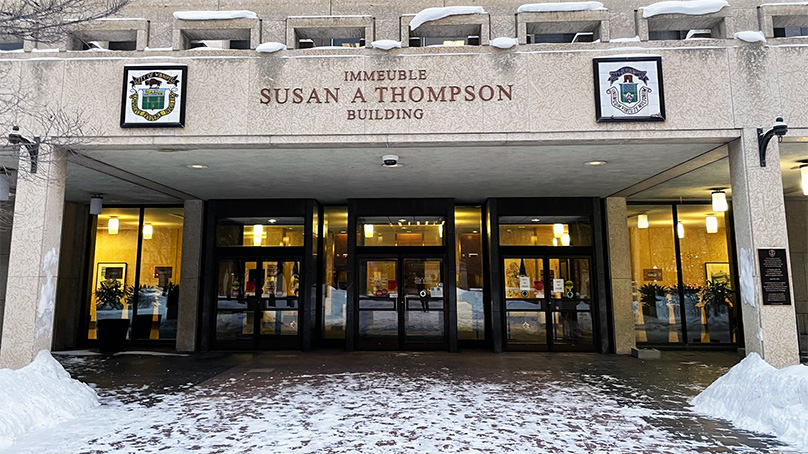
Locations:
{"points": [[401, 303]]}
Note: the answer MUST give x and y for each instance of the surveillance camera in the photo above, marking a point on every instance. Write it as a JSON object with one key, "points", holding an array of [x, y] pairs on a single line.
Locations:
{"points": [[780, 128], [390, 160]]}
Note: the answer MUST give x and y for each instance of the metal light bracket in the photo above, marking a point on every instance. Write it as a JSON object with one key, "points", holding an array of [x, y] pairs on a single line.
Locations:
{"points": [[779, 129]]}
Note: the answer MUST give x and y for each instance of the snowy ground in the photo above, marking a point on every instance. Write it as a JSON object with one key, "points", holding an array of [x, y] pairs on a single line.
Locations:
{"points": [[269, 406]]}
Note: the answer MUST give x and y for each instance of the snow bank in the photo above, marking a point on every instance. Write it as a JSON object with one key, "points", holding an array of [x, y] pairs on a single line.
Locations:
{"points": [[386, 44], [431, 14], [214, 15], [40, 394], [503, 43], [691, 8], [751, 36], [270, 47], [558, 7], [755, 396]]}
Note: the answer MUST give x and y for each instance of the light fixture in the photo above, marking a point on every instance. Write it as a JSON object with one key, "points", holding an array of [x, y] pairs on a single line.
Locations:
{"points": [[272, 221], [595, 163], [112, 226], [402, 220], [148, 230], [390, 160], [719, 200], [535, 220], [804, 178], [32, 146], [197, 166], [565, 239], [258, 234], [475, 231], [5, 186], [555, 241], [642, 221], [712, 224], [558, 230], [440, 231], [96, 204], [779, 129], [368, 230], [680, 230]]}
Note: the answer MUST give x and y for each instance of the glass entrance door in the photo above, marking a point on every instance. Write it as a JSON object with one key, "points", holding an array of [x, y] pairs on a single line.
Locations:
{"points": [[258, 303], [549, 303], [401, 303]]}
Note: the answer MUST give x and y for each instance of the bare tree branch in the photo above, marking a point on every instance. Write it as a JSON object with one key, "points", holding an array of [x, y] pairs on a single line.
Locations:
{"points": [[49, 21]]}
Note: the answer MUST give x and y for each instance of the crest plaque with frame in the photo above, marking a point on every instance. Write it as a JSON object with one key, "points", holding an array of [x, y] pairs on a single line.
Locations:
{"points": [[153, 96], [629, 89]]}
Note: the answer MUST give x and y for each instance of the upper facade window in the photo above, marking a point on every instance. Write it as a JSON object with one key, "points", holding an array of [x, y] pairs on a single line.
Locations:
{"points": [[685, 20], [11, 46], [329, 31], [783, 20], [110, 34], [562, 23], [450, 30], [216, 29]]}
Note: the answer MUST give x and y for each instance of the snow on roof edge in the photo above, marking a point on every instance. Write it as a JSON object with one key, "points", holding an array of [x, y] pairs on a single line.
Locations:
{"points": [[432, 14], [215, 15], [690, 8], [560, 7]]}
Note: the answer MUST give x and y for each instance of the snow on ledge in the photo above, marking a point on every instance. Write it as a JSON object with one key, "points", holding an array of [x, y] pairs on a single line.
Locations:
{"points": [[503, 43], [270, 47], [39, 395], [214, 15], [560, 7], [751, 36], [690, 8], [431, 14], [785, 4], [386, 44], [634, 39], [755, 396]]}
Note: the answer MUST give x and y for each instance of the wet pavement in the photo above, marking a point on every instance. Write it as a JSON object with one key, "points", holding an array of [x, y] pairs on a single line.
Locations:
{"points": [[395, 402]]}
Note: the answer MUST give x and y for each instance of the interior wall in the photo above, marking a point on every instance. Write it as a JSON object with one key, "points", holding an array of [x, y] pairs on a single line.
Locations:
{"points": [[797, 222], [72, 272]]}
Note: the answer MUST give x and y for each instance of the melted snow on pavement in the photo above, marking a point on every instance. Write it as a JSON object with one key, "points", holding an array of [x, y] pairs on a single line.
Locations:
{"points": [[373, 413]]}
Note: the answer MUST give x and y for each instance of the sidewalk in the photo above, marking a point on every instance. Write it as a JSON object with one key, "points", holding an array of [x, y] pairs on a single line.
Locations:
{"points": [[389, 402]]}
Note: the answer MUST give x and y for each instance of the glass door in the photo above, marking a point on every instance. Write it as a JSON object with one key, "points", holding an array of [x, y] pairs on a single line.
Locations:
{"points": [[548, 303], [401, 303]]}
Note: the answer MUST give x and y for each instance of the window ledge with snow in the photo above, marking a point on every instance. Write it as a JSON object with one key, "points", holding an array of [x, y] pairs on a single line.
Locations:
{"points": [[675, 20], [470, 24], [557, 26], [333, 31], [225, 31], [783, 20]]}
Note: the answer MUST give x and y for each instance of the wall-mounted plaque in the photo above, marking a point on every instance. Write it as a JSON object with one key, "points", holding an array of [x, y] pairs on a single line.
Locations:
{"points": [[629, 89], [651, 274], [774, 277], [153, 96]]}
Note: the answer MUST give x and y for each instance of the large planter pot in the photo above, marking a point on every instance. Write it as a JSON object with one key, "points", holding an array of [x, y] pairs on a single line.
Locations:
{"points": [[112, 334], [142, 325]]}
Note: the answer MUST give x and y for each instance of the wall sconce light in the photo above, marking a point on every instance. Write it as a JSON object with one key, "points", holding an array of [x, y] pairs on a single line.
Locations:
{"points": [[96, 204], [148, 230], [5, 186], [642, 221], [565, 239], [368, 230], [112, 226], [680, 230], [32, 146], [440, 230], [719, 200], [712, 224], [558, 230], [804, 178], [258, 234], [779, 129]]}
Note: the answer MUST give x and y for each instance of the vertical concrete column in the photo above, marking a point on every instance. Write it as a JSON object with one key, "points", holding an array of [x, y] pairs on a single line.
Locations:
{"points": [[620, 273], [67, 331], [5, 244], [34, 260], [191, 268], [760, 222]]}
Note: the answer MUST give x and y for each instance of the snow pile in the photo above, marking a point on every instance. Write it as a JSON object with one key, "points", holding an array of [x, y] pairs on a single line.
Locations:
{"points": [[214, 15], [270, 47], [559, 7], [41, 394], [503, 43], [430, 14], [690, 8], [751, 36], [758, 397], [386, 44]]}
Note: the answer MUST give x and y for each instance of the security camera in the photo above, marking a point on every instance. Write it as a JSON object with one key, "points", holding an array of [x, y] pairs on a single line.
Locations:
{"points": [[780, 128], [390, 160]]}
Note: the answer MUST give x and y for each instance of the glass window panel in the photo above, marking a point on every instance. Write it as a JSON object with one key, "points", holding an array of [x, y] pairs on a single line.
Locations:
{"points": [[378, 323], [400, 231], [523, 278], [335, 244], [709, 298], [571, 274], [281, 279], [158, 290], [573, 328], [468, 244], [545, 231], [379, 278], [423, 278], [424, 325], [234, 326], [527, 327], [114, 264], [263, 231], [654, 274], [279, 323]]}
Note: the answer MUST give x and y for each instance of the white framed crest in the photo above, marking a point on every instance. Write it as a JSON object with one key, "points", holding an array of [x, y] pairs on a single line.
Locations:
{"points": [[153, 96], [629, 89]]}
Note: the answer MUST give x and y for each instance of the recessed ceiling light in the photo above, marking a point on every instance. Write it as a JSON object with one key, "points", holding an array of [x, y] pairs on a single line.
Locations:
{"points": [[595, 163], [272, 221], [474, 231], [535, 220], [197, 166], [402, 220]]}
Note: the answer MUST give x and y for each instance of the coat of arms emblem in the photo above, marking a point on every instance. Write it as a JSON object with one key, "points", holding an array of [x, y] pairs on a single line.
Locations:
{"points": [[154, 95], [631, 97]]}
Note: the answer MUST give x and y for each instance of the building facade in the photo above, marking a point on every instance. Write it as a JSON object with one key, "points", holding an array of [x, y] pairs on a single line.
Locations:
{"points": [[544, 177]]}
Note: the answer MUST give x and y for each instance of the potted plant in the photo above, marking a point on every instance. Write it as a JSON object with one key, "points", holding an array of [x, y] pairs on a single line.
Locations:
{"points": [[148, 298], [716, 304], [111, 331], [656, 323]]}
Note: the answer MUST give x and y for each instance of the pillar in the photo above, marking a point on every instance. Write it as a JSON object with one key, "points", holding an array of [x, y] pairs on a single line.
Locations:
{"points": [[34, 260], [5, 244], [620, 275], [190, 282], [760, 223], [67, 332]]}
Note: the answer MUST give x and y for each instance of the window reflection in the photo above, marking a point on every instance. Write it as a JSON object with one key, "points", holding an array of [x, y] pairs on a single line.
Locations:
{"points": [[468, 244], [263, 232], [545, 231], [335, 243], [400, 231]]}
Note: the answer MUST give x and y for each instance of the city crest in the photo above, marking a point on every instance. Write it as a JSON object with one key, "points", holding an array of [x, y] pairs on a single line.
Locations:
{"points": [[631, 97], [154, 95]]}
